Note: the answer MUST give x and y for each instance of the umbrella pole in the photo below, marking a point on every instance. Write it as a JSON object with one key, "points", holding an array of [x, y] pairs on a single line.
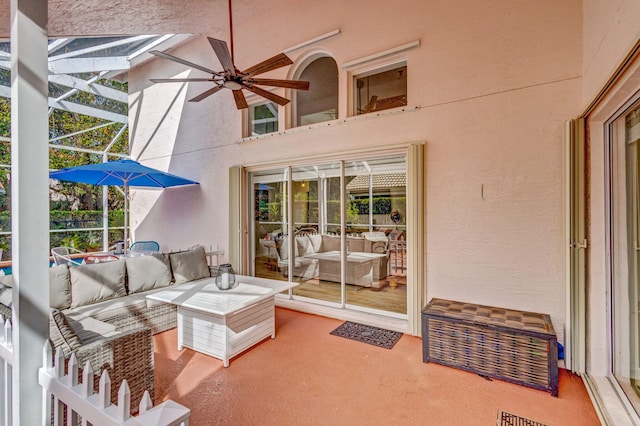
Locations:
{"points": [[126, 214]]}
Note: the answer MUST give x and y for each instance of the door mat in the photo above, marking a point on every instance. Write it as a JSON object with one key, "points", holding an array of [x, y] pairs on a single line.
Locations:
{"points": [[508, 419], [367, 334]]}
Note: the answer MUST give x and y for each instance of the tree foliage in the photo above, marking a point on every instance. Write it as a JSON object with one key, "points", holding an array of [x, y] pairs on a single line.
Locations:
{"points": [[70, 200]]}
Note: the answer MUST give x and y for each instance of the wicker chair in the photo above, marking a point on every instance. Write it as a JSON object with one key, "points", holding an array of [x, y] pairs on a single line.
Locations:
{"points": [[129, 356], [126, 353]]}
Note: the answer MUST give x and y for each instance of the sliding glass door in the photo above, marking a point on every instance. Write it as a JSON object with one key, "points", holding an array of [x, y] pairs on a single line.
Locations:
{"points": [[625, 251], [375, 213], [339, 232], [269, 205]]}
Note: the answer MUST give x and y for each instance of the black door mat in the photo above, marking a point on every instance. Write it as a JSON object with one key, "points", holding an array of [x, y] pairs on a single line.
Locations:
{"points": [[508, 419], [367, 334]]}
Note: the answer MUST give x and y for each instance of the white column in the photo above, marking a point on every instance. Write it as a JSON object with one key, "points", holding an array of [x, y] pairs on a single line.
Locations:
{"points": [[29, 203], [105, 212]]}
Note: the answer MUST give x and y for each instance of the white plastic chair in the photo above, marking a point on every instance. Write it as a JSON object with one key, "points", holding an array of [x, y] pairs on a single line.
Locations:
{"points": [[62, 256]]}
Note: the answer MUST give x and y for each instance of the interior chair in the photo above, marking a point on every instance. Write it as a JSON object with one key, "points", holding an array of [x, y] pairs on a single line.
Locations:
{"points": [[144, 247], [63, 256]]}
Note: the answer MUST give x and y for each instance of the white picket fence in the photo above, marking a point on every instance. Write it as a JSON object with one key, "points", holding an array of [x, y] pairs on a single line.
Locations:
{"points": [[78, 400]]}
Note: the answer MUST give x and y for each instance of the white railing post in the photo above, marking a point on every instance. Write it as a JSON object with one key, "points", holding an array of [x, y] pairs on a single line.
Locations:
{"points": [[145, 403], [58, 372], [87, 380], [47, 362], [104, 390], [124, 401], [6, 374], [72, 380]]}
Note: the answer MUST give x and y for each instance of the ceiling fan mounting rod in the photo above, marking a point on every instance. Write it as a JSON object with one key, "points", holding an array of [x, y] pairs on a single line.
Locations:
{"points": [[231, 33]]}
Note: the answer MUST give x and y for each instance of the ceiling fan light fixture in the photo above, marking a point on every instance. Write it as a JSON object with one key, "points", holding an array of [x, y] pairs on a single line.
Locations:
{"points": [[232, 84]]}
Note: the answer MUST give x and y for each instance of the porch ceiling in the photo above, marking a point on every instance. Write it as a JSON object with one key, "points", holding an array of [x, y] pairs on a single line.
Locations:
{"points": [[126, 17]]}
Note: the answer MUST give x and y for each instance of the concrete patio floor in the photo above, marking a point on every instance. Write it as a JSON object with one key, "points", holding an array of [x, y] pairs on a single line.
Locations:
{"points": [[308, 377]]}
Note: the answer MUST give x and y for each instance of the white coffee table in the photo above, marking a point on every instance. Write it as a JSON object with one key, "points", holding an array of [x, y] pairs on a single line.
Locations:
{"points": [[359, 270], [224, 323]]}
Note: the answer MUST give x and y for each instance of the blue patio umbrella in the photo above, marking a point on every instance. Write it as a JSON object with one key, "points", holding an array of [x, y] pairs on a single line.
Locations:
{"points": [[121, 173]]}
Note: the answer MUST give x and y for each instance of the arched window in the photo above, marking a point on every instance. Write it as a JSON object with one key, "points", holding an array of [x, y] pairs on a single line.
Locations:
{"points": [[320, 102]]}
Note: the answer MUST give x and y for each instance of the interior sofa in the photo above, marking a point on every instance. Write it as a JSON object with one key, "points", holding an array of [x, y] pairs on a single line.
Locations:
{"points": [[100, 312], [309, 243]]}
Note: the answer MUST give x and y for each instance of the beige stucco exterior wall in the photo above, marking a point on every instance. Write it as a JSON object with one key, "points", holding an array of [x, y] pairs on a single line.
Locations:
{"points": [[492, 83], [610, 31]]}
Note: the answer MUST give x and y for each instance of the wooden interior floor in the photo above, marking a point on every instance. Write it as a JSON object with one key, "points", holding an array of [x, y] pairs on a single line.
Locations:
{"points": [[305, 376], [390, 293]]}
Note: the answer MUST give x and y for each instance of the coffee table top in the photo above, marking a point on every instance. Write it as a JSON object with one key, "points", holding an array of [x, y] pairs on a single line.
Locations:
{"points": [[204, 295], [354, 256]]}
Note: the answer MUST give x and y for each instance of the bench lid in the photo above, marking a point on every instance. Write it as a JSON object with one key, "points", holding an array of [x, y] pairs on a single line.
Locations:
{"points": [[491, 316]]}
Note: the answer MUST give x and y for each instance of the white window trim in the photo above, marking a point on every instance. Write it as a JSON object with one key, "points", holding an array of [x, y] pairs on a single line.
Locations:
{"points": [[246, 118], [291, 113], [373, 64], [352, 76]]}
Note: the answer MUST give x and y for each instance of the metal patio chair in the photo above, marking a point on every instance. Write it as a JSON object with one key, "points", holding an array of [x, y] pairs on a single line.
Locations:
{"points": [[63, 256], [144, 247]]}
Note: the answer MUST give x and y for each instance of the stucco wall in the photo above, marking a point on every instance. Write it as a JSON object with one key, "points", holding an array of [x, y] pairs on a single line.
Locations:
{"points": [[493, 81], [610, 31]]}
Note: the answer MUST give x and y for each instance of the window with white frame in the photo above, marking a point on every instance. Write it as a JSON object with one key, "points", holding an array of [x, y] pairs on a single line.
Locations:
{"points": [[262, 118], [380, 89]]}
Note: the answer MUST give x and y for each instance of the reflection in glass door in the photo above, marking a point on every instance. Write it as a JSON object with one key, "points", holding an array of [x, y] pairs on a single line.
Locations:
{"points": [[316, 191], [339, 232], [375, 212], [270, 198], [625, 262]]}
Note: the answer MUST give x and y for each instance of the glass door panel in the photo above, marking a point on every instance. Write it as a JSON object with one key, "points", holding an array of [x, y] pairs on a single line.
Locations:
{"points": [[314, 193], [314, 221], [625, 190], [270, 222], [375, 193]]}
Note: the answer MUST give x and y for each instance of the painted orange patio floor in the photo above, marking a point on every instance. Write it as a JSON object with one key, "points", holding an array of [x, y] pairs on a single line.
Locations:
{"points": [[305, 376]]}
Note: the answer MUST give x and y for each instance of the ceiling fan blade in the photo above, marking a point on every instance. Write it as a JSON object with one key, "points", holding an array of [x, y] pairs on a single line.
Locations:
{"points": [[371, 105], [182, 61], [266, 94], [178, 80], [275, 62], [222, 52], [241, 101], [289, 84], [206, 94]]}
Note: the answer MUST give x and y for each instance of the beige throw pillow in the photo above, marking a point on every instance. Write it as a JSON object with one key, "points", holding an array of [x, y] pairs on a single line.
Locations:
{"points": [[97, 282], [148, 272], [316, 241], [59, 287], [61, 333], [330, 243], [303, 245], [189, 265]]}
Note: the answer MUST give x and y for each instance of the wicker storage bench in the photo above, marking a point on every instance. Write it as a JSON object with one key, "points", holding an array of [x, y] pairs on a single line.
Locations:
{"points": [[516, 346]]}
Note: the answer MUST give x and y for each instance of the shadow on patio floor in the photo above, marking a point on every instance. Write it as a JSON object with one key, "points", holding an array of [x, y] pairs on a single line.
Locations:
{"points": [[308, 377]]}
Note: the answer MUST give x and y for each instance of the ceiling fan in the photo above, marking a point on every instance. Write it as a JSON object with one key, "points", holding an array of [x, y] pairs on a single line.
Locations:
{"points": [[234, 79]]}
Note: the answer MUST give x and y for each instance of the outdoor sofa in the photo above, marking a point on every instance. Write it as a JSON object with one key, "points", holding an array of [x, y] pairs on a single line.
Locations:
{"points": [[100, 312]]}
